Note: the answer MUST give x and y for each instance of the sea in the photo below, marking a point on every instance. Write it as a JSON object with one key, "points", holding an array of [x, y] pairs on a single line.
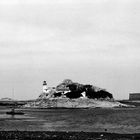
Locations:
{"points": [[114, 120]]}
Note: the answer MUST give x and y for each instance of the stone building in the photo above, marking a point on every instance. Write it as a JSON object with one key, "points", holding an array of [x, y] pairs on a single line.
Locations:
{"points": [[134, 96]]}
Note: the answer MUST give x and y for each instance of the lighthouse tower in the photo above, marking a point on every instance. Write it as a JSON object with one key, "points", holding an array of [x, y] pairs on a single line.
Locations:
{"points": [[44, 87]]}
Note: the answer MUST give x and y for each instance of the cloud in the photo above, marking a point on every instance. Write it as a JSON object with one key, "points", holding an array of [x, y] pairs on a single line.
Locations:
{"points": [[70, 38]]}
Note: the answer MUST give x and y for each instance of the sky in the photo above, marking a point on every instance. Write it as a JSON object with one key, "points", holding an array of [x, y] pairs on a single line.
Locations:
{"points": [[88, 41]]}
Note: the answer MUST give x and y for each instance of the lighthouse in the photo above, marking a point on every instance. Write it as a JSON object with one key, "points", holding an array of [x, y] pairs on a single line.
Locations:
{"points": [[44, 87]]}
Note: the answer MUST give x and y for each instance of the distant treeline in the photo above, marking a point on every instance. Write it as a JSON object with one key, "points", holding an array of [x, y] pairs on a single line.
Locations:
{"points": [[12, 103]]}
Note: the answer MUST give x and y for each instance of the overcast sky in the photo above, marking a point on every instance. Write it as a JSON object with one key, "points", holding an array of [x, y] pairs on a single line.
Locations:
{"points": [[89, 41]]}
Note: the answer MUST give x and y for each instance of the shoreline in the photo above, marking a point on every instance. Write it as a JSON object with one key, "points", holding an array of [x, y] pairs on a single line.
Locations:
{"points": [[66, 135]]}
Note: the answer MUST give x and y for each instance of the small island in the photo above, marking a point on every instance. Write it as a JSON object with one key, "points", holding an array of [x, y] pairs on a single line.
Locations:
{"points": [[69, 94]]}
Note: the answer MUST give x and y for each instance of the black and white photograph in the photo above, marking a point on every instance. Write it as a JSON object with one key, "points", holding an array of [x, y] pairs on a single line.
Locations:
{"points": [[69, 69]]}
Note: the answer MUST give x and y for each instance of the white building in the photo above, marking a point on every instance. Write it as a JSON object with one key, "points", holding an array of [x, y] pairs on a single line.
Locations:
{"points": [[44, 87]]}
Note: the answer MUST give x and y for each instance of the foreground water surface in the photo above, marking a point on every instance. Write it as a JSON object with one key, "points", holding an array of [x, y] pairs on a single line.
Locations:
{"points": [[116, 120]]}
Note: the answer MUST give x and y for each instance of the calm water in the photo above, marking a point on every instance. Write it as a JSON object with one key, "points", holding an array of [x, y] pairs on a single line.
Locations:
{"points": [[118, 120]]}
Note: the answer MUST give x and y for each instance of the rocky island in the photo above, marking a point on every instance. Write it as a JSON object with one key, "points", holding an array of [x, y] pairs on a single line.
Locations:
{"points": [[69, 94]]}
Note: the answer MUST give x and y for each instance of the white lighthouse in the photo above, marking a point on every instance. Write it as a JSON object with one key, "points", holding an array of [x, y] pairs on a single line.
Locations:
{"points": [[44, 87]]}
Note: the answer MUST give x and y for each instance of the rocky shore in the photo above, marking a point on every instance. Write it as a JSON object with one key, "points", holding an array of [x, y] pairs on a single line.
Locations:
{"points": [[50, 135], [74, 103]]}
